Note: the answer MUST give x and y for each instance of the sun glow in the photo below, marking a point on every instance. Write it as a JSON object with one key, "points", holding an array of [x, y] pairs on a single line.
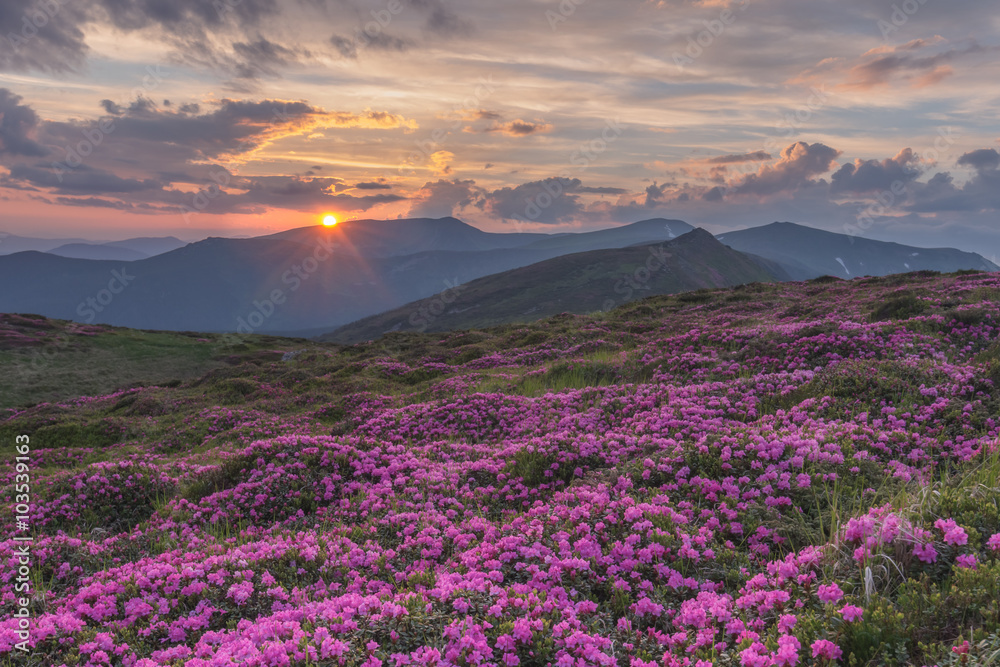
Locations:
{"points": [[329, 221]]}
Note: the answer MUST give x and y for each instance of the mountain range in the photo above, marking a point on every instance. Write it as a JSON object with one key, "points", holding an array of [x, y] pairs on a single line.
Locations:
{"points": [[597, 280], [314, 280]]}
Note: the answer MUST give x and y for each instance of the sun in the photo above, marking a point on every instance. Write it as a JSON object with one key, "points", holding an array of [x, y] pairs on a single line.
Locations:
{"points": [[329, 221]]}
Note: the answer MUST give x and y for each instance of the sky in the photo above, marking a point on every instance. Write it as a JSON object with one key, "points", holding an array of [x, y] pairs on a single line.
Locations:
{"points": [[877, 118]]}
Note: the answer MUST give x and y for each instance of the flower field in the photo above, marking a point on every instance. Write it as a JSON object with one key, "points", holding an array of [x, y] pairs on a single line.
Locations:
{"points": [[793, 474]]}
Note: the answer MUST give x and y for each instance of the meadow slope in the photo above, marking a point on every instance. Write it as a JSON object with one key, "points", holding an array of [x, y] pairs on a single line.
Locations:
{"points": [[790, 474]]}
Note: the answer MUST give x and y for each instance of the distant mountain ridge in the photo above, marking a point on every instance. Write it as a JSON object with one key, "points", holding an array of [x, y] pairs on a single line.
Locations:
{"points": [[576, 283], [313, 280], [807, 253]]}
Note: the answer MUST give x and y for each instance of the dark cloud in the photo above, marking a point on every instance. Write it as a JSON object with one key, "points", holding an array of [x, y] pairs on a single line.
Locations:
{"points": [[874, 176], [94, 202], [520, 128], [42, 36], [18, 123], [550, 201], [373, 186], [984, 159], [261, 57], [444, 198], [798, 164], [83, 179], [442, 20], [349, 47], [112, 108], [758, 156]]}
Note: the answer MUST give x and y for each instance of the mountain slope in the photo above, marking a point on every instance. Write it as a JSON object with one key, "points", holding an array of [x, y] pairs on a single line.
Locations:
{"points": [[807, 253], [577, 283], [98, 251], [392, 238], [642, 232]]}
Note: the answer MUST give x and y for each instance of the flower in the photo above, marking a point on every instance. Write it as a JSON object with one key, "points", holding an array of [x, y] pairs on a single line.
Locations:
{"points": [[823, 648], [966, 561], [925, 552], [851, 613], [830, 593]]}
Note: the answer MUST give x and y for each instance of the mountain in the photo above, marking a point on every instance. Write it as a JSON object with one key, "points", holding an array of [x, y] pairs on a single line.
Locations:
{"points": [[127, 250], [806, 253], [313, 280], [637, 233], [577, 283], [213, 285], [149, 246], [98, 251], [11, 243], [393, 238]]}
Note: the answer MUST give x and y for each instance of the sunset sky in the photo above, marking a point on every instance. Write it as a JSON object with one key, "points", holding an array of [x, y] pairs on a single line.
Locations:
{"points": [[521, 115]]}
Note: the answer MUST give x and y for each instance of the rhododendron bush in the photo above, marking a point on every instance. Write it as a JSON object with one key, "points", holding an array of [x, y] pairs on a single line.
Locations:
{"points": [[769, 475]]}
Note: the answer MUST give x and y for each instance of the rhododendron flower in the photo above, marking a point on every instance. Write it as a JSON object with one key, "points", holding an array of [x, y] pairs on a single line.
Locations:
{"points": [[967, 561], [925, 552], [786, 622], [953, 533], [851, 613], [788, 651], [829, 593], [822, 648], [994, 542]]}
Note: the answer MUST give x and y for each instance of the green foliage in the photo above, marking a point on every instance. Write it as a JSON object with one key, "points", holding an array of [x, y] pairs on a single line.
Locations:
{"points": [[901, 307]]}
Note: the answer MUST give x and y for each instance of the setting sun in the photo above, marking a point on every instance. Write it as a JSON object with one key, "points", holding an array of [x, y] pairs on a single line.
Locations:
{"points": [[329, 221]]}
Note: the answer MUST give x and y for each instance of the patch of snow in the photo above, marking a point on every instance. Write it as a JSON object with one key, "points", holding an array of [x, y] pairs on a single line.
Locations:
{"points": [[843, 265]]}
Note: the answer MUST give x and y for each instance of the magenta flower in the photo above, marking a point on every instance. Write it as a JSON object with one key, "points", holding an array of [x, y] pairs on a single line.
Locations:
{"points": [[822, 648], [788, 651], [925, 552], [967, 561], [830, 593], [851, 613]]}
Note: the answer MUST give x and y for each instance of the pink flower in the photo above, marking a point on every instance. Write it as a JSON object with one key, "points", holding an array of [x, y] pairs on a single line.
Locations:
{"points": [[823, 648], [925, 552], [788, 651], [953, 533], [786, 622], [830, 593], [994, 542], [851, 613], [967, 561]]}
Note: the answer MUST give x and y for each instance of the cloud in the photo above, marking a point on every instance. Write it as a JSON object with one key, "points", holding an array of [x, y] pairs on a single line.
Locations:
{"points": [[795, 168], [440, 162], [865, 176], [58, 46], [757, 156], [94, 202], [548, 201], [520, 128], [444, 198], [349, 47], [371, 185], [145, 157], [83, 179], [18, 123], [984, 159], [918, 63], [441, 20]]}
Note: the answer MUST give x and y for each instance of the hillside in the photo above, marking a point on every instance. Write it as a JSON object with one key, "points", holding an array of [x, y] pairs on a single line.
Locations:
{"points": [[325, 277], [807, 253], [577, 283], [817, 461]]}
